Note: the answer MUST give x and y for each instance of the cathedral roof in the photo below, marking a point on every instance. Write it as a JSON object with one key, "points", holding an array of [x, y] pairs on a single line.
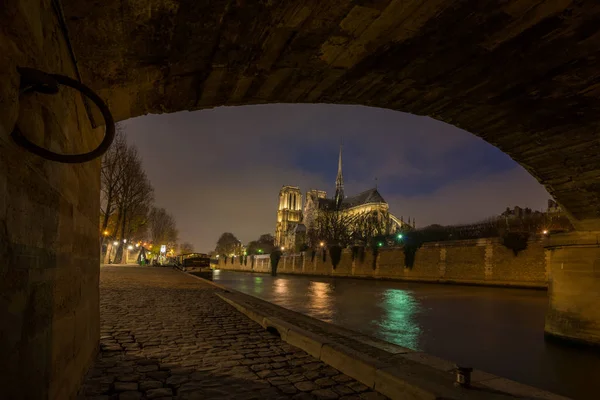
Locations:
{"points": [[366, 197]]}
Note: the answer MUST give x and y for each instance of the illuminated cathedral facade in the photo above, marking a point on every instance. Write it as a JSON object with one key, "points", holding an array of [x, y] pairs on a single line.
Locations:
{"points": [[296, 217]]}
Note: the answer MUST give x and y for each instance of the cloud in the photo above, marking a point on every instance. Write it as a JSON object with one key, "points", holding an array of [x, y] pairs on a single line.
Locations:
{"points": [[473, 199], [221, 169]]}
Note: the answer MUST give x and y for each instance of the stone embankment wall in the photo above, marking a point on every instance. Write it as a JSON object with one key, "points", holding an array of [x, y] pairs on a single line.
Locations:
{"points": [[483, 261], [49, 247]]}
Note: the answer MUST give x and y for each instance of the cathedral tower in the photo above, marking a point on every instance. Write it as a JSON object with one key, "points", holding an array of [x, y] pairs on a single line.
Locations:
{"points": [[289, 214], [339, 183]]}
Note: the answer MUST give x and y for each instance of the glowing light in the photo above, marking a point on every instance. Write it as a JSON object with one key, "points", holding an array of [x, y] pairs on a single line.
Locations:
{"points": [[105, 233], [321, 244], [282, 248], [379, 244], [398, 323], [217, 256], [545, 232], [115, 243], [130, 247], [399, 236], [124, 240], [260, 250], [245, 253], [137, 245]]}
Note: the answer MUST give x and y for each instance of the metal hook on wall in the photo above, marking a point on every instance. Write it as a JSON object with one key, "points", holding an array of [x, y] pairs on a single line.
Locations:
{"points": [[33, 80]]}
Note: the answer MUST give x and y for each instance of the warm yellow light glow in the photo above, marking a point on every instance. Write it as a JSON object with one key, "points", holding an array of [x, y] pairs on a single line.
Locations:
{"points": [[282, 248], [105, 233], [322, 244], [545, 232]]}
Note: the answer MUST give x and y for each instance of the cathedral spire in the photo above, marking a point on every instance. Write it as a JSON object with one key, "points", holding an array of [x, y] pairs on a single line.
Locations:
{"points": [[339, 182]]}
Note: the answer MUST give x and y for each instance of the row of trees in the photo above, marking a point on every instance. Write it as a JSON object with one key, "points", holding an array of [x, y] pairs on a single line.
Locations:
{"points": [[127, 210], [228, 244]]}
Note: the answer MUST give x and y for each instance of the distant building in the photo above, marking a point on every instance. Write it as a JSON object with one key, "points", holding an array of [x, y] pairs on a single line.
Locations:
{"points": [[294, 219]]}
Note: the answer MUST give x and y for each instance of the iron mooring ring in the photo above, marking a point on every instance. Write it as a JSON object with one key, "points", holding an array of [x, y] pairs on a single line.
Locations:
{"points": [[33, 80]]}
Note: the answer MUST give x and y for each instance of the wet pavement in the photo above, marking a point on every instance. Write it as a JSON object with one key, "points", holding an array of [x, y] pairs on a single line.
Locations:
{"points": [[497, 330]]}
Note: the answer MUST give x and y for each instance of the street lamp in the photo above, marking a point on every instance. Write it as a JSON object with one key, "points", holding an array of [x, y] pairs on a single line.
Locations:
{"points": [[105, 233], [322, 244]]}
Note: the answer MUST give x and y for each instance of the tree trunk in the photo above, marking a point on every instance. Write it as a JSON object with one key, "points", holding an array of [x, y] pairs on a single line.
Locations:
{"points": [[105, 224]]}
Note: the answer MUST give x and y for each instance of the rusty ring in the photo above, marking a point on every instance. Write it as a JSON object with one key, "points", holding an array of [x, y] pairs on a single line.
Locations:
{"points": [[40, 82]]}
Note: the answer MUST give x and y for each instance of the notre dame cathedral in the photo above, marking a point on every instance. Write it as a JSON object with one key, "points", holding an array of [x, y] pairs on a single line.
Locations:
{"points": [[294, 219]]}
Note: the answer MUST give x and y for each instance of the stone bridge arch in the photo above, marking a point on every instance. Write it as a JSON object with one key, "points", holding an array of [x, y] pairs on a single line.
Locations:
{"points": [[520, 74]]}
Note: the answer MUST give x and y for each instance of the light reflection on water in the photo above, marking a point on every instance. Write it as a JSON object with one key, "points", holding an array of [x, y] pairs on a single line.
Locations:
{"points": [[397, 323], [320, 302], [494, 329]]}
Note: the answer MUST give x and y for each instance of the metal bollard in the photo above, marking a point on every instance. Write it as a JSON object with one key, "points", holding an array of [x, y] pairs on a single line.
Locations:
{"points": [[463, 376]]}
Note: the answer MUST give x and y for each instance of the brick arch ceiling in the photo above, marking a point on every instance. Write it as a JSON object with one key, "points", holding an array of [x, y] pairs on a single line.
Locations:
{"points": [[521, 74]]}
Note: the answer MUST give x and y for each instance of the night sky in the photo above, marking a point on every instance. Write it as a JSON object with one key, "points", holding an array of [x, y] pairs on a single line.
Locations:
{"points": [[221, 169]]}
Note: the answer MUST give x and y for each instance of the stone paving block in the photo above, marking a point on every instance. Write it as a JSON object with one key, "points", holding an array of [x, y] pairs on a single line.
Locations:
{"points": [[306, 386], [125, 386], [325, 394], [147, 385], [130, 395], [157, 393]]}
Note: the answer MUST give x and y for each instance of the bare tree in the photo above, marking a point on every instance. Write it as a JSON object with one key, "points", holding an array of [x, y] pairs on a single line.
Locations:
{"points": [[337, 227], [332, 227], [110, 181], [185, 248], [162, 228], [135, 197]]}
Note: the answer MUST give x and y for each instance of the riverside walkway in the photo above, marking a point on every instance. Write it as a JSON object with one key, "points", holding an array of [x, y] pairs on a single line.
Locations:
{"points": [[167, 335]]}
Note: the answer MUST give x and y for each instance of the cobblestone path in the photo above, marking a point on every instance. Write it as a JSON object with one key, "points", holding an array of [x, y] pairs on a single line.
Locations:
{"points": [[166, 335]]}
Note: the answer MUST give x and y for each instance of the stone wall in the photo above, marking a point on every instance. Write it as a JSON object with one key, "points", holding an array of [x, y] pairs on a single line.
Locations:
{"points": [[574, 287], [484, 261], [49, 248]]}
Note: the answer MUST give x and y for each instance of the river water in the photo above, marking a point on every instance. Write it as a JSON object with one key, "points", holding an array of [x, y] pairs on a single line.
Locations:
{"points": [[497, 330]]}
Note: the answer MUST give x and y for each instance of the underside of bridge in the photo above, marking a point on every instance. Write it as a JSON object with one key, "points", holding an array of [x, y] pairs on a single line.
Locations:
{"points": [[521, 74]]}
